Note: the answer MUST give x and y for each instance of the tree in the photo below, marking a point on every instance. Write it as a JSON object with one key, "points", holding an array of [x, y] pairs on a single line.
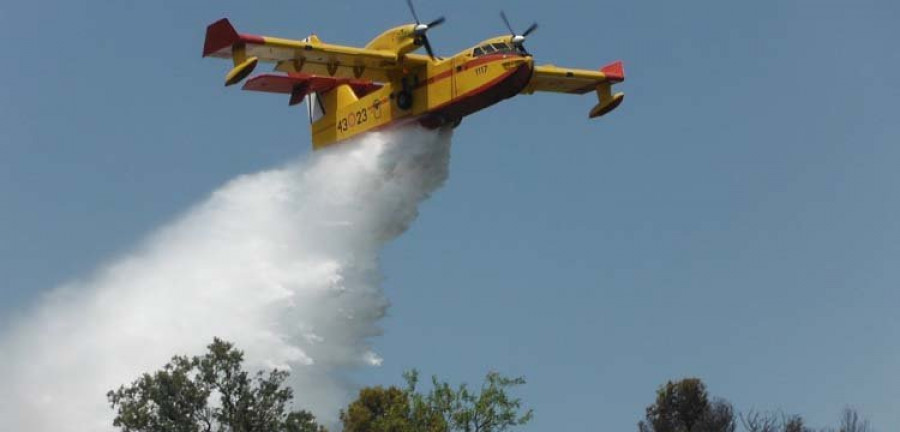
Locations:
{"points": [[378, 409], [794, 423], [443, 409], [176, 398], [684, 406], [850, 422], [755, 421], [719, 418]]}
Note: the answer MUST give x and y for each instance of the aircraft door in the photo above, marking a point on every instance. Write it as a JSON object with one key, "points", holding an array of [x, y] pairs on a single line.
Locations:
{"points": [[458, 65]]}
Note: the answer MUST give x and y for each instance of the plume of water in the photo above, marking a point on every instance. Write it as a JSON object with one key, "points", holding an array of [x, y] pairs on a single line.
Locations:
{"points": [[284, 263]]}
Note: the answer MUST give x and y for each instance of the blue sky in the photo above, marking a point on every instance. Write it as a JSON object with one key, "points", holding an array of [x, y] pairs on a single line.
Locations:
{"points": [[737, 218]]}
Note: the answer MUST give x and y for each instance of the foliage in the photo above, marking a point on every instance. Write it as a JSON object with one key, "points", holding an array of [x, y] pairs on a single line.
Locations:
{"points": [[442, 409], [378, 409], [684, 406], [176, 398]]}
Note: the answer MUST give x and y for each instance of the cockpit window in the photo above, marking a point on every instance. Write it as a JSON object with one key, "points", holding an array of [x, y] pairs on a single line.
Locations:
{"points": [[496, 48]]}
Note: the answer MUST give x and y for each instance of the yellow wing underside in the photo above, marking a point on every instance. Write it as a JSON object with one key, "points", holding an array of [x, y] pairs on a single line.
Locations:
{"points": [[310, 56], [550, 78]]}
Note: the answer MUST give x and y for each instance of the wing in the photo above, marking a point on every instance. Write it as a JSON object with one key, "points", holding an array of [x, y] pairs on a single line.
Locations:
{"points": [[309, 56], [549, 78], [299, 85]]}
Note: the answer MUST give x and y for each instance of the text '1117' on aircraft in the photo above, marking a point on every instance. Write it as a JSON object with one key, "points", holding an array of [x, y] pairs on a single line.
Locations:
{"points": [[352, 90]]}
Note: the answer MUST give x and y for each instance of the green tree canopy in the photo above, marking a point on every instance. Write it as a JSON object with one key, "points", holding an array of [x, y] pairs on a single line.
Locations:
{"points": [[176, 398], [443, 409], [684, 406]]}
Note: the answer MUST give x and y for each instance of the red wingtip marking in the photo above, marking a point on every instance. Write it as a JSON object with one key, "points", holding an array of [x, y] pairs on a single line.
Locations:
{"points": [[253, 39], [614, 71], [219, 35]]}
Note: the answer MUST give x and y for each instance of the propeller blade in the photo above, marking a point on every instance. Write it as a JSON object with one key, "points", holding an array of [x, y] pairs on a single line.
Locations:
{"points": [[428, 46], [413, 10], [530, 29], [505, 20], [421, 30]]}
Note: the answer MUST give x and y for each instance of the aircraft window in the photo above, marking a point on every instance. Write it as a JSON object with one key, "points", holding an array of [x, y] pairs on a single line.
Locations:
{"points": [[502, 47], [488, 49], [478, 52]]}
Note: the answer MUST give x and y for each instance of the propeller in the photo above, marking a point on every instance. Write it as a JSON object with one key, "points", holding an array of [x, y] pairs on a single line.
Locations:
{"points": [[421, 30], [518, 39]]}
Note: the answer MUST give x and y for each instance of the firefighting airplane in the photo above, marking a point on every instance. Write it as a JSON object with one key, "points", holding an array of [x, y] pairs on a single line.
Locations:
{"points": [[352, 90]]}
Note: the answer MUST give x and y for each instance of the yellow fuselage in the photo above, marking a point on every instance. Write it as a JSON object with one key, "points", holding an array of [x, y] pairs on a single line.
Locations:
{"points": [[439, 94]]}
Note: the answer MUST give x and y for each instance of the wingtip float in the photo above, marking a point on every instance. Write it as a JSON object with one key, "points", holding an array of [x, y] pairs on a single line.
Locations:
{"points": [[352, 90]]}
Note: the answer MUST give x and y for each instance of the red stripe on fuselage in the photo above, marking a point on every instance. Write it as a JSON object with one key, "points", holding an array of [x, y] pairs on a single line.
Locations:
{"points": [[507, 85], [469, 64]]}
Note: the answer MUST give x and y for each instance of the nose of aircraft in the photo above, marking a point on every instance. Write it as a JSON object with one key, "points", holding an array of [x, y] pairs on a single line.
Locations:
{"points": [[528, 63], [520, 69], [529, 60], [519, 61]]}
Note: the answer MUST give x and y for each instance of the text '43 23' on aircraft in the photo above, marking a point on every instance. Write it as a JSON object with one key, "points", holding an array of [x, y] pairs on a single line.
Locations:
{"points": [[352, 90]]}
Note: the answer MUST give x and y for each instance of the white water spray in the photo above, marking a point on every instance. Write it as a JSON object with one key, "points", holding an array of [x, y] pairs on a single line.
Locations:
{"points": [[283, 263]]}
